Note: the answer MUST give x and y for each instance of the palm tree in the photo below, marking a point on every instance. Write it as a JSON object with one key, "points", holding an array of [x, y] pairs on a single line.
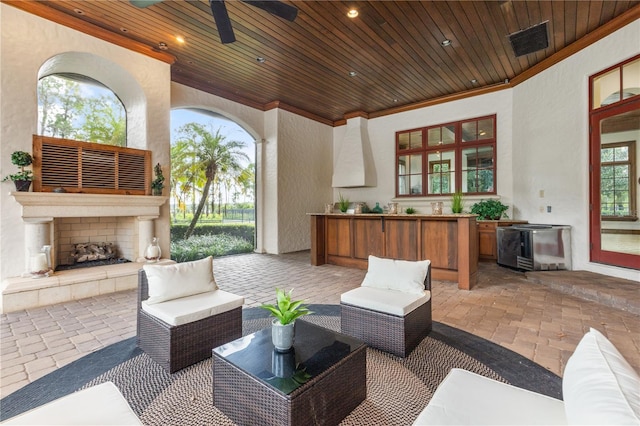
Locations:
{"points": [[213, 154]]}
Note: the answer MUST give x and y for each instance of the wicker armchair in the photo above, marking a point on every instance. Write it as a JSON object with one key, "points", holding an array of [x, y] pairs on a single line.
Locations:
{"points": [[393, 333], [177, 347]]}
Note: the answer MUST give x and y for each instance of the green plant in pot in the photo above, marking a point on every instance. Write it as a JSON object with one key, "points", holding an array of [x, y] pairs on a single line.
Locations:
{"points": [[343, 204], [158, 183], [285, 312], [457, 202], [23, 178], [489, 210]]}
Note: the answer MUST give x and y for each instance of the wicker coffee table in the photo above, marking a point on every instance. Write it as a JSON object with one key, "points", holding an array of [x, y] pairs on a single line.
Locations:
{"points": [[319, 382]]}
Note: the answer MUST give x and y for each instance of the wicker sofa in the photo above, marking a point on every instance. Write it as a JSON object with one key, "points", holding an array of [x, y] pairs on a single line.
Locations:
{"points": [[599, 387], [183, 315], [391, 310]]}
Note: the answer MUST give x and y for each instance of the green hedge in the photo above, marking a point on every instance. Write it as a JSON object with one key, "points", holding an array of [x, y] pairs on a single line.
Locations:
{"points": [[245, 231], [201, 246]]}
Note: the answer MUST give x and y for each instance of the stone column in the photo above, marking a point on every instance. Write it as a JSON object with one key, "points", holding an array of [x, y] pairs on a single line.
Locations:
{"points": [[37, 233], [146, 230]]}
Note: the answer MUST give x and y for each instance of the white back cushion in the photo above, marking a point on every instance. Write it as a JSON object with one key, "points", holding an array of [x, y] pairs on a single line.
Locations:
{"points": [[399, 275], [169, 282], [599, 386]]}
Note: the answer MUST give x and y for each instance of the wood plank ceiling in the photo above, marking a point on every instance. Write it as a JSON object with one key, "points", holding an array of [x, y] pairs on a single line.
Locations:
{"points": [[394, 47]]}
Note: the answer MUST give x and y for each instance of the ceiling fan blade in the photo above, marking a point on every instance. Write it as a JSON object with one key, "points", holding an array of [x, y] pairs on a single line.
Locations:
{"points": [[277, 8], [220, 15], [144, 3]]}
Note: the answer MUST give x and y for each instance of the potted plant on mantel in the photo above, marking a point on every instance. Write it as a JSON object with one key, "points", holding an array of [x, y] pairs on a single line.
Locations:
{"points": [[23, 178], [158, 183], [489, 210], [285, 312]]}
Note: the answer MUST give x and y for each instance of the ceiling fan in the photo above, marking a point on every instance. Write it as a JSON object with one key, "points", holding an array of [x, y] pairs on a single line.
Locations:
{"points": [[220, 15]]}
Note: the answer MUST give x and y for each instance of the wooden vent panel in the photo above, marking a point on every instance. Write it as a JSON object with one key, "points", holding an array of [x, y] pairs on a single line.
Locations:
{"points": [[89, 167]]}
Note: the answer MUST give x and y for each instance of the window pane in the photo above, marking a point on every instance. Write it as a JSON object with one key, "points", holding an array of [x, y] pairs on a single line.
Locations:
{"points": [[621, 153], [631, 79], [444, 135], [416, 184], [606, 88], [74, 106], [410, 140], [416, 163], [485, 129], [440, 175], [606, 155], [433, 137], [448, 134], [469, 132], [403, 188], [477, 169]]}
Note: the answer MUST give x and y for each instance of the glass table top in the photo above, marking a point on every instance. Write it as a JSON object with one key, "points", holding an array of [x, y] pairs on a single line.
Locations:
{"points": [[315, 350]]}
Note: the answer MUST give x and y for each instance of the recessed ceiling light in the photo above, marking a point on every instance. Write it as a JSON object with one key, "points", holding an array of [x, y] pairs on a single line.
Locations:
{"points": [[352, 73], [352, 13], [79, 11], [446, 42], [474, 81], [124, 30], [261, 60], [163, 46], [395, 101], [180, 39]]}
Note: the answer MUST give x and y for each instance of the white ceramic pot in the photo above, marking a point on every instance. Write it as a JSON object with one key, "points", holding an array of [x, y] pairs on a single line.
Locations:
{"points": [[282, 335]]}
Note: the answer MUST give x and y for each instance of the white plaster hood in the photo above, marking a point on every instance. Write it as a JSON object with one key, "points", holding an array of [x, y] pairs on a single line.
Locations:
{"points": [[354, 166]]}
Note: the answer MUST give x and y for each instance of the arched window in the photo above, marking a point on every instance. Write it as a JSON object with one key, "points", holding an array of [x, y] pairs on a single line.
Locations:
{"points": [[74, 106]]}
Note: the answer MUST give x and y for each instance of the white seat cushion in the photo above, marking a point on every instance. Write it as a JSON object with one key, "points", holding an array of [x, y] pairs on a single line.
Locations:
{"points": [[400, 275], [392, 302], [193, 308], [168, 282], [466, 398], [599, 386], [98, 405]]}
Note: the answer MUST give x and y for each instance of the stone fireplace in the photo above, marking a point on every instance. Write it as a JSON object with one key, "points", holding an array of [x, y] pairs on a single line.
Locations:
{"points": [[61, 220]]}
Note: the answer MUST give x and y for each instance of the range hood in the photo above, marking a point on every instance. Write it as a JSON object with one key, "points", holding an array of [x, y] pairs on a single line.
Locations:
{"points": [[354, 165]]}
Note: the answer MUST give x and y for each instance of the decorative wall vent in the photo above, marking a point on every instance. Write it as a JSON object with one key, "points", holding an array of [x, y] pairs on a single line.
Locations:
{"points": [[89, 167]]}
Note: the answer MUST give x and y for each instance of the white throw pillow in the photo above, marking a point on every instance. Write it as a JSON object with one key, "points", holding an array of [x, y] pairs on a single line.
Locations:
{"points": [[399, 275], [168, 282], [599, 386]]}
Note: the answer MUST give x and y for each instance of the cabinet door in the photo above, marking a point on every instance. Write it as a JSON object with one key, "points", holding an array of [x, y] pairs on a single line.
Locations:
{"points": [[440, 243], [339, 236], [487, 241], [401, 239], [367, 238]]}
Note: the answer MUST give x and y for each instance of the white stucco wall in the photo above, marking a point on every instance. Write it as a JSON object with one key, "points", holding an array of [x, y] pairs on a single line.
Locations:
{"points": [[304, 177], [551, 142], [27, 43], [382, 136]]}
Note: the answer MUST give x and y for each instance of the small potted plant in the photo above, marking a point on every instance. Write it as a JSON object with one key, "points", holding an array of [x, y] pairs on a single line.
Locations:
{"points": [[158, 183], [457, 202], [285, 312], [489, 210], [23, 178], [343, 204]]}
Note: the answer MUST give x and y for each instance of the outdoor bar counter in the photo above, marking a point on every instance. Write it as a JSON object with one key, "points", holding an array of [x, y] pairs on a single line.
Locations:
{"points": [[449, 241]]}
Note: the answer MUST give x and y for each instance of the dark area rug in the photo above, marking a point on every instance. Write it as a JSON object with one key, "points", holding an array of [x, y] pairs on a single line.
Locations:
{"points": [[397, 389]]}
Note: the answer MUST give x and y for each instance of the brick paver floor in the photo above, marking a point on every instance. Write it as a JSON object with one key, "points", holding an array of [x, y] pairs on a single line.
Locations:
{"points": [[538, 321]]}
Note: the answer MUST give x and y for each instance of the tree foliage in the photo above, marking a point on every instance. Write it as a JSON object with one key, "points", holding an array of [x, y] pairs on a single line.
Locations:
{"points": [[81, 111], [199, 157]]}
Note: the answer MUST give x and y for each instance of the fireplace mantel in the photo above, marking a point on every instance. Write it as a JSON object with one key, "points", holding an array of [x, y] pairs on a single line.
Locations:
{"points": [[51, 204]]}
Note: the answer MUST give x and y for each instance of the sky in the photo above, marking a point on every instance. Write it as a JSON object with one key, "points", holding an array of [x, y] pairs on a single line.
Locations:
{"points": [[228, 128]]}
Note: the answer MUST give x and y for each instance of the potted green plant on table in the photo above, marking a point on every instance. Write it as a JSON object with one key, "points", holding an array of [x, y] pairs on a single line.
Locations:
{"points": [[158, 183], [23, 178], [457, 202], [343, 204], [285, 312], [489, 210]]}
